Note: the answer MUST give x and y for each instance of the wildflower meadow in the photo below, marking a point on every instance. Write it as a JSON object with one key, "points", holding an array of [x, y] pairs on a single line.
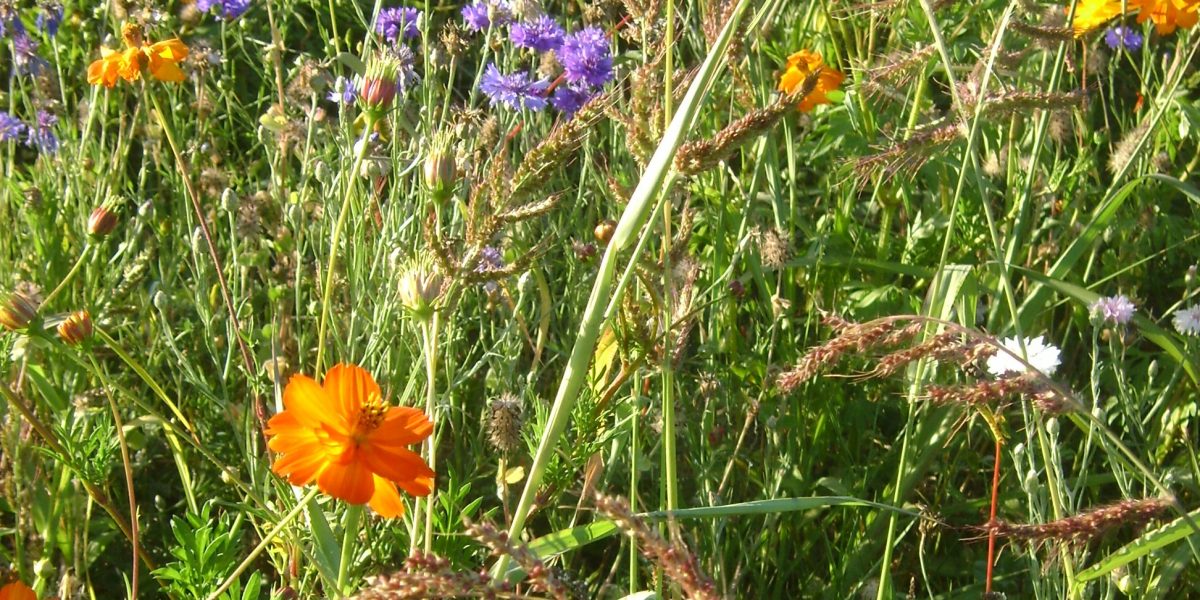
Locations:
{"points": [[616, 299]]}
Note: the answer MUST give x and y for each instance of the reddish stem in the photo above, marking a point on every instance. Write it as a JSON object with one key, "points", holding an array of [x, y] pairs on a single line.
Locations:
{"points": [[991, 557]]}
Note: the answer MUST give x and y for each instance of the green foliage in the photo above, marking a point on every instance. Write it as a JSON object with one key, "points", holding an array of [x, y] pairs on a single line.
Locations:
{"points": [[204, 552]]}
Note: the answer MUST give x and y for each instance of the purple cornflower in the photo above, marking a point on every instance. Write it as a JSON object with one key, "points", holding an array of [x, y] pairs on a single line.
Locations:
{"points": [[570, 98], [1123, 37], [485, 13], [11, 128], [25, 56], [344, 91], [49, 17], [396, 22], [230, 9], [490, 259], [542, 34], [516, 91], [42, 135], [1114, 309], [585, 57]]}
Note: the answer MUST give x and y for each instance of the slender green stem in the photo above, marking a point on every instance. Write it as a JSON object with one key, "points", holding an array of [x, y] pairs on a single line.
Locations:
{"points": [[431, 409], [128, 466], [335, 241], [349, 543], [262, 545], [62, 285]]}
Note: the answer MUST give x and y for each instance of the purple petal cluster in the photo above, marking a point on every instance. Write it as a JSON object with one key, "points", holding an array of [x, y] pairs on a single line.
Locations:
{"points": [[25, 53], [585, 57], [229, 9], [395, 23], [490, 259], [1117, 310], [49, 17], [11, 128], [1125, 37], [570, 98], [542, 34], [481, 15], [344, 91], [41, 135], [516, 90]]}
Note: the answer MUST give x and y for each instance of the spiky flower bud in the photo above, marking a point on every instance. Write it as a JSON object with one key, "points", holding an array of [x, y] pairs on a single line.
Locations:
{"points": [[440, 170], [379, 86], [420, 287], [103, 220], [76, 328], [504, 426], [18, 310]]}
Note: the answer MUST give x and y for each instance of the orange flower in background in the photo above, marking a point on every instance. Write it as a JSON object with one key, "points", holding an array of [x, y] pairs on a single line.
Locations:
{"points": [[160, 58], [17, 591], [1167, 14], [342, 435], [802, 64]]}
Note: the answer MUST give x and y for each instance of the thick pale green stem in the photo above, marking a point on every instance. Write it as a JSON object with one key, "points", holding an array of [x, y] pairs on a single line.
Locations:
{"points": [[349, 542], [431, 353], [653, 181], [70, 275]]}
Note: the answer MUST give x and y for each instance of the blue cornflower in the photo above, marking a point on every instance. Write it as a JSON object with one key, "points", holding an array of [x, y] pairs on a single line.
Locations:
{"points": [[42, 135], [570, 98], [490, 259], [396, 22], [485, 13], [1123, 37], [585, 57], [344, 91], [25, 56], [516, 91], [542, 34], [11, 128], [230, 9], [50, 15]]}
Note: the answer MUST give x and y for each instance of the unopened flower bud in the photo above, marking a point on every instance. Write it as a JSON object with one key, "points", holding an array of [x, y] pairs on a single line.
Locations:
{"points": [[379, 85], [76, 328], [103, 220], [440, 170], [604, 231], [18, 310], [1190, 278], [420, 288]]}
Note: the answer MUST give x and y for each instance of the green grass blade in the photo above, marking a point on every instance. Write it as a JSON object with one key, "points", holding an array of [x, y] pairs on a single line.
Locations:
{"points": [[658, 171]]}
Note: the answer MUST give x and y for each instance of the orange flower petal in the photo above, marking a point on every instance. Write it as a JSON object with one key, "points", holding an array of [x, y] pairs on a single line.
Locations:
{"points": [[352, 386], [402, 426], [396, 464], [173, 50], [104, 72], [352, 482], [17, 591], [164, 70], [386, 502], [419, 486], [301, 466], [307, 401]]}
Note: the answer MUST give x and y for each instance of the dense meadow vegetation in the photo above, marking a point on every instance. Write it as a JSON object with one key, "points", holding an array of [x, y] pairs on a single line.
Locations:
{"points": [[599, 299]]}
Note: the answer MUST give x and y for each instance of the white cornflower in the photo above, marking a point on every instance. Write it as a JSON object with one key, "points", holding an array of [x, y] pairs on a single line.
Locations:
{"points": [[1187, 321], [1044, 357], [1113, 309]]}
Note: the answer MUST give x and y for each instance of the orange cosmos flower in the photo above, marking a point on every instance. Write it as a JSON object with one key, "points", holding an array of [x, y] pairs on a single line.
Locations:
{"points": [[802, 64], [17, 591], [1167, 14], [346, 438], [160, 58]]}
